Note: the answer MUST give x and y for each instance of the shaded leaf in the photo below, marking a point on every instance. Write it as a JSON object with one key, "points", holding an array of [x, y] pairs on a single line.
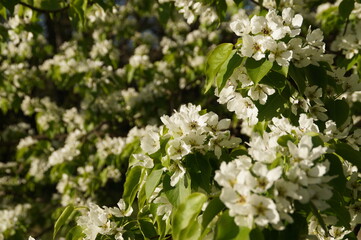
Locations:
{"points": [[349, 154], [226, 229], [131, 184], [76, 233], [338, 110], [298, 76], [177, 194], [62, 219], [345, 8], [214, 62], [227, 68], [187, 212], [214, 207], [152, 181], [256, 70]]}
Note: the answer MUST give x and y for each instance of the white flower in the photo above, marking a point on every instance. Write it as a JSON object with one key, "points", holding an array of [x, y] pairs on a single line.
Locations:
{"points": [[265, 178], [143, 161], [195, 139], [284, 189], [355, 212], [244, 108], [260, 92], [255, 46], [150, 142], [259, 24], [95, 221], [318, 111], [338, 233], [226, 94], [354, 184], [237, 203], [241, 27], [26, 142], [280, 54], [315, 38], [179, 172], [292, 20], [214, 125], [226, 176], [164, 208], [263, 210], [298, 103], [276, 28], [240, 75], [314, 93], [177, 149], [304, 154], [263, 148], [307, 124]]}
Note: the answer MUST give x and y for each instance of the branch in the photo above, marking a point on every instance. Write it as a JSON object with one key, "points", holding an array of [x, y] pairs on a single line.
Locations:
{"points": [[346, 25], [94, 130], [259, 4], [43, 10]]}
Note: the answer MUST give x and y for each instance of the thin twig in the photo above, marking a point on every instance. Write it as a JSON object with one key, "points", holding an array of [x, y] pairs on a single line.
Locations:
{"points": [[44, 10]]}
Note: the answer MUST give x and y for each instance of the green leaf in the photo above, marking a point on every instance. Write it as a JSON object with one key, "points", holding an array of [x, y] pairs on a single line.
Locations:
{"points": [[47, 5], [341, 212], [275, 80], [277, 3], [227, 68], [284, 139], [147, 228], [131, 184], [3, 11], [317, 75], [62, 219], [295, 230], [272, 108], [192, 232], [221, 9], [256, 234], [281, 69], [214, 62], [214, 207], [256, 70], [239, 3], [200, 171], [152, 181], [226, 229], [336, 169], [76, 233], [349, 154], [77, 12], [187, 212], [177, 194], [338, 111], [319, 218], [164, 11], [345, 8], [298, 76], [9, 4], [162, 226]]}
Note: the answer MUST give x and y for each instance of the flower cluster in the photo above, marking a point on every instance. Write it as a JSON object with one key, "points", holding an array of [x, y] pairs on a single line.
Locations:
{"points": [[188, 131], [9, 219], [96, 220], [191, 10], [260, 188], [267, 36]]}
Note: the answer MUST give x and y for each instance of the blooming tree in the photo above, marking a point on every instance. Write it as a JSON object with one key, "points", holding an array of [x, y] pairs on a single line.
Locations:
{"points": [[179, 119]]}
